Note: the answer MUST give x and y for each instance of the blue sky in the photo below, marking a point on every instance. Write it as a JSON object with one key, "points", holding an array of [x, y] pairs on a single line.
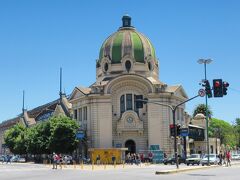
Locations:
{"points": [[38, 37]]}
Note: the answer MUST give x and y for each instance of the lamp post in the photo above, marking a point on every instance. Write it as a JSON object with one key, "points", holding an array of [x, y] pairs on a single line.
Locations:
{"points": [[205, 62]]}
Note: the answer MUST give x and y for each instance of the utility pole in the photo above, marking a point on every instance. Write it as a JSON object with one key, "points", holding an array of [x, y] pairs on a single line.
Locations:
{"points": [[205, 62]]}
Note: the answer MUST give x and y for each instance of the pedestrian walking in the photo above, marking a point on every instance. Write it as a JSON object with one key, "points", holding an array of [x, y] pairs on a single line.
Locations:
{"points": [[220, 156], [55, 160], [228, 156]]}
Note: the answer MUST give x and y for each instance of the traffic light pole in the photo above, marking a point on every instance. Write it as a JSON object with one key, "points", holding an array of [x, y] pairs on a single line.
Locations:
{"points": [[173, 108], [206, 98]]}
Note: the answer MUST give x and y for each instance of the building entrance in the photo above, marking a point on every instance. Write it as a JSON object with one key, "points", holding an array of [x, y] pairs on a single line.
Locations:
{"points": [[131, 145]]}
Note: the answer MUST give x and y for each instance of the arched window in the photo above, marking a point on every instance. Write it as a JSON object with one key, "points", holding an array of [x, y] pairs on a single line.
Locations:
{"points": [[122, 104], [128, 103]]}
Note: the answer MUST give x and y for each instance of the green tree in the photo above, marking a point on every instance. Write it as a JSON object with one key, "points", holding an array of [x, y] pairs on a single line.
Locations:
{"points": [[15, 139], [63, 134], [201, 108], [38, 138], [223, 130], [237, 130]]}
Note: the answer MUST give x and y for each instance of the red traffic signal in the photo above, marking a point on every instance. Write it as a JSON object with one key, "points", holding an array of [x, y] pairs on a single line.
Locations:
{"points": [[217, 84], [172, 129], [217, 88]]}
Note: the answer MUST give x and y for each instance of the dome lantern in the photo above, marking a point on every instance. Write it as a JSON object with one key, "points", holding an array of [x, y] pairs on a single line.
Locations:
{"points": [[126, 21]]}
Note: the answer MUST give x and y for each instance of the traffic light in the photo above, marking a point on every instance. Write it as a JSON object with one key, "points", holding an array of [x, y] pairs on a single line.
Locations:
{"points": [[139, 102], [178, 129], [218, 88], [208, 89], [172, 129], [225, 86]]}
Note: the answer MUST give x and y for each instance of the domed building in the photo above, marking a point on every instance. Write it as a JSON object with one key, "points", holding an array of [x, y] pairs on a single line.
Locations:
{"points": [[127, 67]]}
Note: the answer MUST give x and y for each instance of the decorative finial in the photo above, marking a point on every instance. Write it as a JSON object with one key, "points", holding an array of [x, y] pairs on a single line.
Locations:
{"points": [[23, 105], [126, 21], [60, 91]]}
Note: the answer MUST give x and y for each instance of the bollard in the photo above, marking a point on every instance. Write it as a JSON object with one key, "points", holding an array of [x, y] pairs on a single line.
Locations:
{"points": [[74, 164], [105, 165], [92, 165], [114, 164], [82, 164], [123, 163]]}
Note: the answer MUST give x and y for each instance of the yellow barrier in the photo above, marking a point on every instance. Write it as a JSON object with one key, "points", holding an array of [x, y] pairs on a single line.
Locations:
{"points": [[92, 165], [115, 164], [82, 164]]}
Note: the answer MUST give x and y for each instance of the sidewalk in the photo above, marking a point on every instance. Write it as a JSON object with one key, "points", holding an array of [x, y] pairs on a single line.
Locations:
{"points": [[191, 168]]}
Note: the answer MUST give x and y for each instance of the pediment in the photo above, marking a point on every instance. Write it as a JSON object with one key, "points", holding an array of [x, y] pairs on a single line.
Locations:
{"points": [[177, 90], [181, 92], [79, 92]]}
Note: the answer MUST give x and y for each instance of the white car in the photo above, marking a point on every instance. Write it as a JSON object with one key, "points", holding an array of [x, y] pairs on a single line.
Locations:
{"points": [[21, 159], [193, 159], [236, 157], [67, 159], [213, 159]]}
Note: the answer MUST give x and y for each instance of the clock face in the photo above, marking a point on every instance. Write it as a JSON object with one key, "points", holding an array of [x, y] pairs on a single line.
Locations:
{"points": [[129, 119]]}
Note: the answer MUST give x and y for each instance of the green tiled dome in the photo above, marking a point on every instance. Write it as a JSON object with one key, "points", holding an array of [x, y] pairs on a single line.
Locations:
{"points": [[127, 41]]}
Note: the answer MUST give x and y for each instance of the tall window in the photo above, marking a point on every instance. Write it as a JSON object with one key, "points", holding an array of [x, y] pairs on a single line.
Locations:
{"points": [[80, 114], [135, 105], [75, 114], [122, 104], [129, 102], [85, 113]]}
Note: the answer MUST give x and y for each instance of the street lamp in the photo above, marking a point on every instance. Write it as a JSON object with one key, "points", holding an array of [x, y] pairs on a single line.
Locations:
{"points": [[205, 62]]}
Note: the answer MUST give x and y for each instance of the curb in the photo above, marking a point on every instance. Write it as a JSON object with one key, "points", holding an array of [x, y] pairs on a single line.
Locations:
{"points": [[172, 171]]}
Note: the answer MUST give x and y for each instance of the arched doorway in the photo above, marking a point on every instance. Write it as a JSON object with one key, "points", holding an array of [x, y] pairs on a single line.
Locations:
{"points": [[131, 145]]}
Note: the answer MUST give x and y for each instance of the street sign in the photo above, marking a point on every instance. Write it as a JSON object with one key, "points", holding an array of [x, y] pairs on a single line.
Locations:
{"points": [[184, 132], [80, 135], [201, 92]]}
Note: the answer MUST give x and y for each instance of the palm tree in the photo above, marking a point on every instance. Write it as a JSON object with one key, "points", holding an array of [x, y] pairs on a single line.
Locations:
{"points": [[201, 108]]}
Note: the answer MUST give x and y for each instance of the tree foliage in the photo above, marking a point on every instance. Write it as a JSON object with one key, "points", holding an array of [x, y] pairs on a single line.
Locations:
{"points": [[38, 138], [15, 139], [56, 135], [223, 130], [236, 126], [63, 134], [201, 108]]}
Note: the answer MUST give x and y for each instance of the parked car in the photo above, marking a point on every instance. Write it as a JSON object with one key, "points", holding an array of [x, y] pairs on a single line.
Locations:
{"points": [[67, 159], [15, 158], [213, 159], [236, 157], [21, 159], [193, 159], [171, 160], [2, 158]]}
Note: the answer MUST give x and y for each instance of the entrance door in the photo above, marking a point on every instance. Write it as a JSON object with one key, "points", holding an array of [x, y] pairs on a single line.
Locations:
{"points": [[130, 144]]}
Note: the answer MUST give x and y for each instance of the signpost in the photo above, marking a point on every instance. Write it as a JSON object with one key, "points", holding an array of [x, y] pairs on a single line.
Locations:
{"points": [[184, 132], [80, 135], [201, 92]]}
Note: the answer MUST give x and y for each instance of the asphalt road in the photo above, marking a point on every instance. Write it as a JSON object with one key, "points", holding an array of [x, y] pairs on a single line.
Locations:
{"points": [[40, 172]]}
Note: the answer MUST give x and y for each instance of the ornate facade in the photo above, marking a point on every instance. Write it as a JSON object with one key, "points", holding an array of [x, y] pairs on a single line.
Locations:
{"points": [[107, 111]]}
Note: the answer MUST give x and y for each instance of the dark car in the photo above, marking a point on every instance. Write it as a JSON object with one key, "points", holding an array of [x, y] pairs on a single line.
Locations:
{"points": [[171, 160]]}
